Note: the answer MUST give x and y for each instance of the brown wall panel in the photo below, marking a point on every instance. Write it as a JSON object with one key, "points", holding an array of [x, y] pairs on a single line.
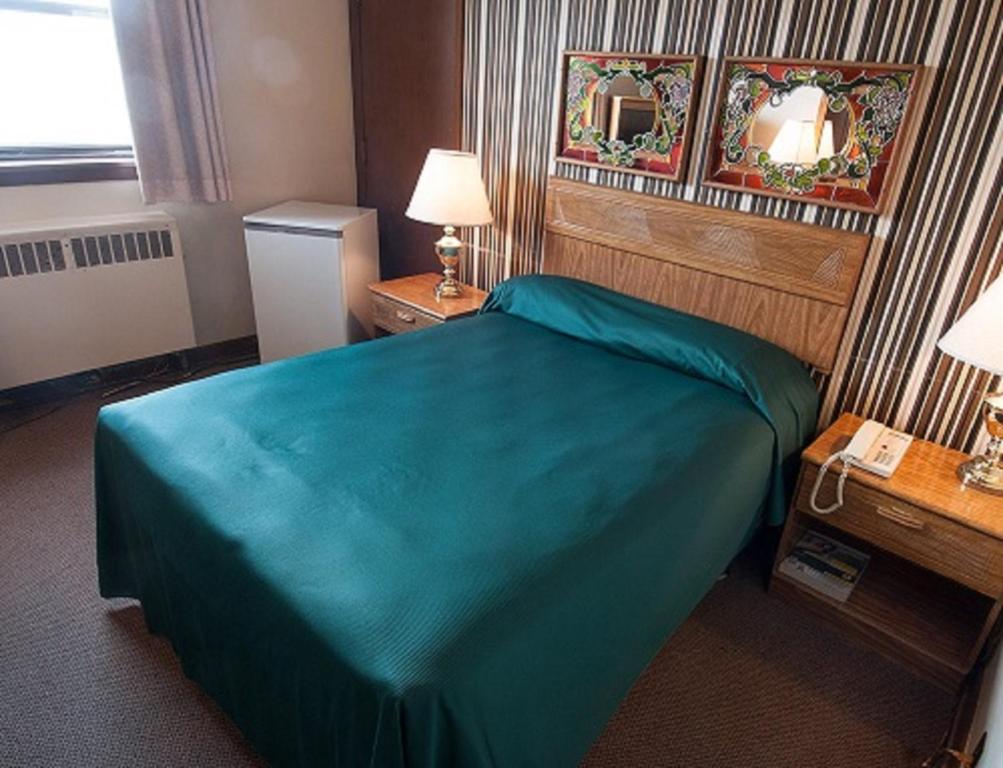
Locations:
{"points": [[407, 69]]}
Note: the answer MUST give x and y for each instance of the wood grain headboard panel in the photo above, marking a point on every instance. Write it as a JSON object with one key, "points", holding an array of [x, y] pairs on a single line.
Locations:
{"points": [[784, 281]]}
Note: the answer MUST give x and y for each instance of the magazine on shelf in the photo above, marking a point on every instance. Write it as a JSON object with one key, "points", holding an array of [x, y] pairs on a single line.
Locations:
{"points": [[825, 565]]}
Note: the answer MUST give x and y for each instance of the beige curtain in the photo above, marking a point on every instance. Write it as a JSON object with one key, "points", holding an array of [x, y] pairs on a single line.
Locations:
{"points": [[170, 85]]}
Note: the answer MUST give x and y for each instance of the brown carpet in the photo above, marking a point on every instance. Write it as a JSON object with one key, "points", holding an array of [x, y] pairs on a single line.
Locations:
{"points": [[747, 681]]}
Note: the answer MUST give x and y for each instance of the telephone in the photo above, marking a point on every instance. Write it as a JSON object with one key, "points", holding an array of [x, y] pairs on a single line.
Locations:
{"points": [[874, 448]]}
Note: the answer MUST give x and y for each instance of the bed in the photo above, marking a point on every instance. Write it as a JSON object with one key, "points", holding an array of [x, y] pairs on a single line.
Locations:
{"points": [[453, 547]]}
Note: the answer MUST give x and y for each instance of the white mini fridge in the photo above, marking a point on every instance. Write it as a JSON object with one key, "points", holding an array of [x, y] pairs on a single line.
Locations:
{"points": [[310, 266]]}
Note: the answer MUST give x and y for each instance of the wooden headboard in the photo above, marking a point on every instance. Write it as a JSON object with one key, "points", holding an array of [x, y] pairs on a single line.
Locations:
{"points": [[784, 281]]}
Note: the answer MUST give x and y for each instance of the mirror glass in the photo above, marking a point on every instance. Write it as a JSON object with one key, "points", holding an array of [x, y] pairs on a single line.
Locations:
{"points": [[800, 127], [621, 112], [627, 111]]}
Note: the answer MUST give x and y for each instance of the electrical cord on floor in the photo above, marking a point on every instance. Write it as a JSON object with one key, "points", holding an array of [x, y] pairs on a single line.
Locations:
{"points": [[33, 418], [163, 368], [159, 375]]}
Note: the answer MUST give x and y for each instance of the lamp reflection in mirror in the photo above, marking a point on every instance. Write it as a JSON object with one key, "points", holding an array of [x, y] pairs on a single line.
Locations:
{"points": [[800, 142], [450, 193], [975, 339], [848, 164]]}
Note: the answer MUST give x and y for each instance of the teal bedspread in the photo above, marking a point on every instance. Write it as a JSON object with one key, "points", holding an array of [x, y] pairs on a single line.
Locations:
{"points": [[453, 547]]}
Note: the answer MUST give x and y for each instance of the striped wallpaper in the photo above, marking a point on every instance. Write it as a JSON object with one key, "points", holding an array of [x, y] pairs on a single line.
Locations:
{"points": [[935, 248]]}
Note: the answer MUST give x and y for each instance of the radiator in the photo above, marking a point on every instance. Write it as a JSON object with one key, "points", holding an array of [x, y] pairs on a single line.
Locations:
{"points": [[79, 294]]}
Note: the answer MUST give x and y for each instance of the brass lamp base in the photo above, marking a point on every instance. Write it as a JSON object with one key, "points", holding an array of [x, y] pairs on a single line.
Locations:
{"points": [[448, 288], [985, 472], [449, 249], [980, 473]]}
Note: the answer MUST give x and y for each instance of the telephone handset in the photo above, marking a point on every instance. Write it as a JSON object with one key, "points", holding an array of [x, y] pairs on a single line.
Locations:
{"points": [[874, 448]]}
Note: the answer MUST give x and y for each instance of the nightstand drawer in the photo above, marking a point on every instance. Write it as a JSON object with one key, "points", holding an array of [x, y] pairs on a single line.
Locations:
{"points": [[396, 317], [956, 551]]}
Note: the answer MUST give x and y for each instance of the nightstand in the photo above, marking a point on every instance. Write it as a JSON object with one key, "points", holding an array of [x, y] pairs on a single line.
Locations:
{"points": [[932, 591], [409, 303]]}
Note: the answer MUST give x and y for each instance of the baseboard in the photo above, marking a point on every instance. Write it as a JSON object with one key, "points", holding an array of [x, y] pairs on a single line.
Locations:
{"points": [[180, 362]]}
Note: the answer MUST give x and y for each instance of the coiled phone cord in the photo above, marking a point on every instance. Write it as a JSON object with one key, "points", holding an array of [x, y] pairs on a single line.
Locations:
{"points": [[847, 460]]}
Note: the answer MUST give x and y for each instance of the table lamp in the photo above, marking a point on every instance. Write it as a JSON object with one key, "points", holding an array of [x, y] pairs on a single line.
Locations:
{"points": [[450, 193], [975, 339]]}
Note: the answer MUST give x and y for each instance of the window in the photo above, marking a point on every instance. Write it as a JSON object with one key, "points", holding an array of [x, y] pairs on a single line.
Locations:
{"points": [[61, 94]]}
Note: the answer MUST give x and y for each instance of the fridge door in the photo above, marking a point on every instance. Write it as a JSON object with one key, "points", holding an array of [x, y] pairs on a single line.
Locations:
{"points": [[296, 282]]}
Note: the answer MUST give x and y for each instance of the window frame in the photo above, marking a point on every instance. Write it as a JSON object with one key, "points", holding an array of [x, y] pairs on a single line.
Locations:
{"points": [[21, 166]]}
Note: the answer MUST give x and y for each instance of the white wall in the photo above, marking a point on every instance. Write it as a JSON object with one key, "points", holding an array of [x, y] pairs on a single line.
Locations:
{"points": [[284, 72]]}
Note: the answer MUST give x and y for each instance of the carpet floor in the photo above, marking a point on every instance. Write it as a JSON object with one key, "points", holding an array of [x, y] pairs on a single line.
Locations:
{"points": [[747, 682]]}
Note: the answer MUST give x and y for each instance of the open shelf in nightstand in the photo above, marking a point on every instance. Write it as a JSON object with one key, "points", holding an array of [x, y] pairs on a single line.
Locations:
{"points": [[913, 615]]}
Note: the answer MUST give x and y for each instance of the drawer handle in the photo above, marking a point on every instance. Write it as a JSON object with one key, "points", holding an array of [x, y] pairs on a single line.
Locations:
{"points": [[404, 317], [901, 517]]}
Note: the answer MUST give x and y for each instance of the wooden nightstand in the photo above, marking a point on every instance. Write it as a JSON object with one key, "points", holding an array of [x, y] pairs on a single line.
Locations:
{"points": [[409, 303], [932, 590]]}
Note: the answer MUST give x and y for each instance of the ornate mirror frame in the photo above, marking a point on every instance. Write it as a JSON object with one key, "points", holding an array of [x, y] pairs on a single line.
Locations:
{"points": [[875, 102], [672, 85]]}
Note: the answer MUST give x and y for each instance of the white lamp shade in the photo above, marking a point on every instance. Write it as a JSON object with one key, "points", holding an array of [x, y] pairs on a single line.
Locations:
{"points": [[794, 143], [825, 144], [977, 337], [450, 191], [798, 141]]}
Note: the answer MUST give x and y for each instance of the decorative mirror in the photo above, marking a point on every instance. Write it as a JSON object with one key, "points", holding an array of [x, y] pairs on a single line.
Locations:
{"points": [[825, 132], [628, 111]]}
